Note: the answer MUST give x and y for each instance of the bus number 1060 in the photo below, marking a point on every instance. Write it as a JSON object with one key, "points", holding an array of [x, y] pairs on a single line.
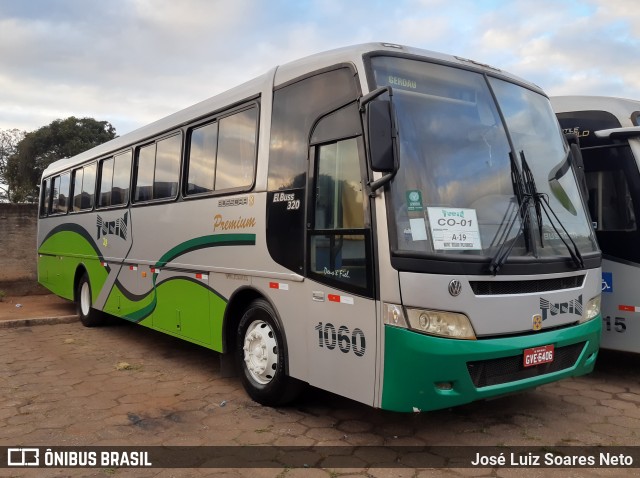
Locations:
{"points": [[346, 341]]}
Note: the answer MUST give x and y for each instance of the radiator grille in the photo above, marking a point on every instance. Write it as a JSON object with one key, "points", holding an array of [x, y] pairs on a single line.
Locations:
{"points": [[525, 286], [509, 369]]}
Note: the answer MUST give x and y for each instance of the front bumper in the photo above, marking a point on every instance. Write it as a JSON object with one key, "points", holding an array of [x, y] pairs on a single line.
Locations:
{"points": [[423, 373]]}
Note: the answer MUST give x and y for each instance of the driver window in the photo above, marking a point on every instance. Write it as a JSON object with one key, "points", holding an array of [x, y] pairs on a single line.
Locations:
{"points": [[339, 201], [338, 242]]}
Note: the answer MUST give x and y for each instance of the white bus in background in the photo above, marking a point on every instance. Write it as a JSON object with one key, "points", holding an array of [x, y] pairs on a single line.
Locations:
{"points": [[377, 221], [608, 130]]}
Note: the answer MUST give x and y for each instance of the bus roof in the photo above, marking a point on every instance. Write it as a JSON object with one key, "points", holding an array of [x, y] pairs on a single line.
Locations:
{"points": [[621, 108], [273, 78]]}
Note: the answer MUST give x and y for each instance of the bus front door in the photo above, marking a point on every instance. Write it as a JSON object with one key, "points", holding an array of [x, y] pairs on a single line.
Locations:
{"points": [[341, 326]]}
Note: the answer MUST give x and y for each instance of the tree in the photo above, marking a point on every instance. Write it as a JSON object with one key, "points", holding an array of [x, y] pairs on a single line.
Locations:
{"points": [[40, 148], [9, 138]]}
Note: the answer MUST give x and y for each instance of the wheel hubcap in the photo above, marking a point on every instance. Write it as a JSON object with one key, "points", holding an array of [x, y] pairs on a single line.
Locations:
{"points": [[260, 352], [85, 299]]}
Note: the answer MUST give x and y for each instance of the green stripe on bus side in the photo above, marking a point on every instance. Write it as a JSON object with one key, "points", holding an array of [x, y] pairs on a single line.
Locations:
{"points": [[187, 309], [186, 298], [134, 310], [178, 306], [145, 311], [203, 242], [60, 255]]}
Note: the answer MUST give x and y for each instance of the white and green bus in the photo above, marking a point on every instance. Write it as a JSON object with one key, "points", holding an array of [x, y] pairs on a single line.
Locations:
{"points": [[397, 226], [609, 136]]}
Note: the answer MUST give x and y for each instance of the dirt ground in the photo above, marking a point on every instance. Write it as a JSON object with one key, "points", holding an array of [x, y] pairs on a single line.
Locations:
{"points": [[35, 306]]}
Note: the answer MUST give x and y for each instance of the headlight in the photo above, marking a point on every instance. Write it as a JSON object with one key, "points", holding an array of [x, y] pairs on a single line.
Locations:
{"points": [[443, 324], [591, 310]]}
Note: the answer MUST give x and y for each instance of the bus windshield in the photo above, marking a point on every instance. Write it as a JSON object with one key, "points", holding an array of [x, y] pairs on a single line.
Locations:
{"points": [[455, 193]]}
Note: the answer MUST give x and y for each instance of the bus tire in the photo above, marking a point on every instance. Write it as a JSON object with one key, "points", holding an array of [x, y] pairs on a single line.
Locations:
{"points": [[89, 316], [261, 356]]}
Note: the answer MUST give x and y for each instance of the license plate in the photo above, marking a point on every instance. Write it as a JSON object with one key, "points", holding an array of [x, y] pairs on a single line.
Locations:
{"points": [[538, 355]]}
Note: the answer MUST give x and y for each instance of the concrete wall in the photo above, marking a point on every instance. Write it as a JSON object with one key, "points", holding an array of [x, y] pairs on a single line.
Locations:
{"points": [[18, 228]]}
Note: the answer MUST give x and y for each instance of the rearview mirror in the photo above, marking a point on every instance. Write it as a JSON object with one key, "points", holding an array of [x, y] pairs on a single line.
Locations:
{"points": [[380, 137]]}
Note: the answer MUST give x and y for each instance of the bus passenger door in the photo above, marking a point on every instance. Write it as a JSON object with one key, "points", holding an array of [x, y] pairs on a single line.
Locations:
{"points": [[614, 201], [341, 330]]}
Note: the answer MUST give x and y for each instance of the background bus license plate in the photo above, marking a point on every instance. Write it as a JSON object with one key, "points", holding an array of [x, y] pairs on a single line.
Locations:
{"points": [[538, 355]]}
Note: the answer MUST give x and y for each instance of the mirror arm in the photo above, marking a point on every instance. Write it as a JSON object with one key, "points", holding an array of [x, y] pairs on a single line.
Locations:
{"points": [[378, 183], [572, 138], [362, 102]]}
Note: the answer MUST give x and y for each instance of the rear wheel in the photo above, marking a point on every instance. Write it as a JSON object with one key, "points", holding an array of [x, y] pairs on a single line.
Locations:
{"points": [[261, 356], [89, 316]]}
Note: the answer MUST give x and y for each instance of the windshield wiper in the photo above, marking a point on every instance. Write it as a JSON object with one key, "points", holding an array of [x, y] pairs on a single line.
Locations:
{"points": [[541, 202], [532, 190], [523, 212], [526, 191]]}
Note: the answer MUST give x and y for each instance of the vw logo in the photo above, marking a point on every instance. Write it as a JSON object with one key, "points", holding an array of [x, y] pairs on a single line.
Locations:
{"points": [[455, 287]]}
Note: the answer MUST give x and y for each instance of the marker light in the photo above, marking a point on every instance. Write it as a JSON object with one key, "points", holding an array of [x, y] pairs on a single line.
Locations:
{"points": [[394, 315]]}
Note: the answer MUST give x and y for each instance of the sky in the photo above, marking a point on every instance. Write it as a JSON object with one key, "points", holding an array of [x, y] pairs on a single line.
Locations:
{"points": [[131, 62]]}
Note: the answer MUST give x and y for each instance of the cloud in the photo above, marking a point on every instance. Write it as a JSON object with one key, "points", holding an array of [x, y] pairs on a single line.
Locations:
{"points": [[565, 48], [133, 61]]}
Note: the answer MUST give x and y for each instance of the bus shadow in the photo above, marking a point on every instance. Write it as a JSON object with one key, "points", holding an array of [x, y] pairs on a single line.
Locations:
{"points": [[618, 364]]}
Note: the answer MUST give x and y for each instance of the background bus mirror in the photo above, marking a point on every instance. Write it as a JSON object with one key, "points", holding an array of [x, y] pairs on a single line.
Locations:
{"points": [[380, 136], [578, 163], [578, 166]]}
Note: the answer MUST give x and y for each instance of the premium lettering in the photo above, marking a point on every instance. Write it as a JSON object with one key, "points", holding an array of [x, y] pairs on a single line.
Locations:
{"points": [[219, 224]]}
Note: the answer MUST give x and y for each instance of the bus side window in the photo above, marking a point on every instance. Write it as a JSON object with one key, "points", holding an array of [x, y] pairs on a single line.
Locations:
{"points": [[121, 177], [106, 180], [83, 185], [236, 162], [610, 201], [45, 200], [158, 169], [167, 167], [201, 163], [60, 200], [76, 189], [55, 192], [144, 179], [88, 187], [63, 200]]}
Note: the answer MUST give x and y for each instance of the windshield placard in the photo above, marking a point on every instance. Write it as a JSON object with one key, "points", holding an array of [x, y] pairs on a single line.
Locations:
{"points": [[454, 229]]}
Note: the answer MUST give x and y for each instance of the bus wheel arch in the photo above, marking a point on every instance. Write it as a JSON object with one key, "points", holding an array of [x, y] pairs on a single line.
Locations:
{"points": [[89, 316], [80, 271], [255, 336]]}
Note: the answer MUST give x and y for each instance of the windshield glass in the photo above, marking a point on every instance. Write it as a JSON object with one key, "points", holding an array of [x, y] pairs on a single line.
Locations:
{"points": [[454, 192]]}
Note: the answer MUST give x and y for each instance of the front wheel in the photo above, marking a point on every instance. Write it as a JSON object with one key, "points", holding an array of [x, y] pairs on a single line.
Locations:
{"points": [[261, 356], [89, 316]]}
